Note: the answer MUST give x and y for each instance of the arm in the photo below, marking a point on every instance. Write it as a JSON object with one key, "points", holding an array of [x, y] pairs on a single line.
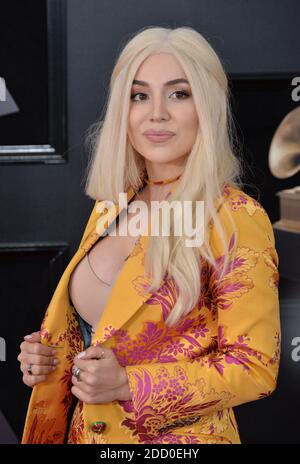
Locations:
{"points": [[244, 365]]}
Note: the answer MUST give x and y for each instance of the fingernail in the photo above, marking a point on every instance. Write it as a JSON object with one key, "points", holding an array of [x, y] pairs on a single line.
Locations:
{"points": [[53, 351], [80, 355], [55, 361], [27, 337]]}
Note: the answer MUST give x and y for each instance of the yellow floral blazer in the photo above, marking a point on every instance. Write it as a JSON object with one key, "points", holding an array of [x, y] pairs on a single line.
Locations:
{"points": [[186, 379]]}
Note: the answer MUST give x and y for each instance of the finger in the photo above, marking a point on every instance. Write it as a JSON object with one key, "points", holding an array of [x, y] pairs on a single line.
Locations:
{"points": [[40, 360], [81, 385], [106, 396], [90, 365], [94, 352], [82, 396], [31, 380], [36, 348], [33, 337], [84, 376], [37, 370], [87, 384]]}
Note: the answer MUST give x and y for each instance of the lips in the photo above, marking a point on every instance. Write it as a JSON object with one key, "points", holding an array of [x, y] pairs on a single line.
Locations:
{"points": [[158, 136], [158, 132]]}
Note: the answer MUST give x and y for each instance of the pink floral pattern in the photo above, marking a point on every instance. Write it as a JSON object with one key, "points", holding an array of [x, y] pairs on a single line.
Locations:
{"points": [[181, 399], [220, 293], [185, 379], [163, 392], [44, 428]]}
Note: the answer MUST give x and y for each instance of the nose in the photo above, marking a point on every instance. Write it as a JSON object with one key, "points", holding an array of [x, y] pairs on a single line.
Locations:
{"points": [[159, 109]]}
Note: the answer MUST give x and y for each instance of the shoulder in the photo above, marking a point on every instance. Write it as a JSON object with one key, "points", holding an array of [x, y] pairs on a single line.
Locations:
{"points": [[237, 200], [242, 215]]}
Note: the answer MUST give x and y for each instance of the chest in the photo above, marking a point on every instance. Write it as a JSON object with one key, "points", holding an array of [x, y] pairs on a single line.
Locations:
{"points": [[92, 280]]}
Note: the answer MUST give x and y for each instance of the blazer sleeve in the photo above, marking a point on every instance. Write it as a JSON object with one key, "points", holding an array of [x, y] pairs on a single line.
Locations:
{"points": [[244, 366]]}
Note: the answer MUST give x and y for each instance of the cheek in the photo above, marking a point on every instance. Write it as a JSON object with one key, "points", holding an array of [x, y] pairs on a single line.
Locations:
{"points": [[188, 117], [188, 129], [189, 126], [133, 124], [193, 117]]}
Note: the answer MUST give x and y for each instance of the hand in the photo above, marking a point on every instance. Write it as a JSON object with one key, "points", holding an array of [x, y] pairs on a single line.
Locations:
{"points": [[40, 356], [101, 380]]}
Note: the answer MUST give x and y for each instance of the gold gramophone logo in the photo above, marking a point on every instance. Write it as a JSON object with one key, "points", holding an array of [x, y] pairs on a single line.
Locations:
{"points": [[284, 162]]}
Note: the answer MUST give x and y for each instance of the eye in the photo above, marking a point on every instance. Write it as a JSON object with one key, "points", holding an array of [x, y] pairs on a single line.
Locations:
{"points": [[135, 94], [182, 93]]}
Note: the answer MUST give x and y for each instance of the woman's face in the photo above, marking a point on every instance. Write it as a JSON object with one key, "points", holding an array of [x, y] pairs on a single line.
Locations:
{"points": [[158, 105]]}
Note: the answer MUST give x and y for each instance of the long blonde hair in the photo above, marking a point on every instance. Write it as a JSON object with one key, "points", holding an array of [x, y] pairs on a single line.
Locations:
{"points": [[114, 165]]}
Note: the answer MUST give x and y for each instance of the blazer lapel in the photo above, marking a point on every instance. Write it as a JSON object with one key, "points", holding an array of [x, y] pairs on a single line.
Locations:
{"points": [[128, 292]]}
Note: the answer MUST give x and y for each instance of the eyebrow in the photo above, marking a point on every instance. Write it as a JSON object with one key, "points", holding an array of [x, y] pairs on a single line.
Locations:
{"points": [[172, 82]]}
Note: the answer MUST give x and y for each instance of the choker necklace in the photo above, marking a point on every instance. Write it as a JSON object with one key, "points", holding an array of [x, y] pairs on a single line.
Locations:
{"points": [[161, 182]]}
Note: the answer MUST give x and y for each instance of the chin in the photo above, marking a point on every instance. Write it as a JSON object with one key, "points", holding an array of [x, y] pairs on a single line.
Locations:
{"points": [[159, 155]]}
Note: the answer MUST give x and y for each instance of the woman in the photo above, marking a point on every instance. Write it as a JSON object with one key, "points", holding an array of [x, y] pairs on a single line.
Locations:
{"points": [[174, 337]]}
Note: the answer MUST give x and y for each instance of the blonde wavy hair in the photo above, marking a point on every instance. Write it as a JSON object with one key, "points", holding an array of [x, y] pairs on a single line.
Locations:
{"points": [[114, 164]]}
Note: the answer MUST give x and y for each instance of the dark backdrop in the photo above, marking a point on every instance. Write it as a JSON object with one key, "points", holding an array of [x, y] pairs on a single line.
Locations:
{"points": [[43, 208]]}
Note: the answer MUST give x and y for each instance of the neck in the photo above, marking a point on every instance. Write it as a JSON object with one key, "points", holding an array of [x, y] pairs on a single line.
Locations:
{"points": [[158, 192], [159, 172]]}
